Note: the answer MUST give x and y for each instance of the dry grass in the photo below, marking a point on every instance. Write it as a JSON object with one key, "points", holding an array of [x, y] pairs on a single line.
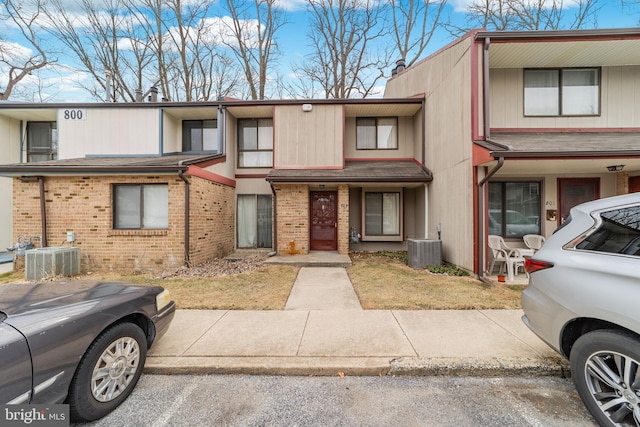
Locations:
{"points": [[389, 284], [380, 282]]}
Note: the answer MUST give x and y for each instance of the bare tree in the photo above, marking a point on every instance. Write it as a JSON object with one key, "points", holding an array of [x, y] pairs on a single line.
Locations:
{"points": [[254, 26], [414, 23], [344, 61], [504, 15], [22, 63], [131, 45]]}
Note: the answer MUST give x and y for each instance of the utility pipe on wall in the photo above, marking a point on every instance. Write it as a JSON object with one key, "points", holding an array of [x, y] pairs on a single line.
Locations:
{"points": [[187, 186], [43, 213]]}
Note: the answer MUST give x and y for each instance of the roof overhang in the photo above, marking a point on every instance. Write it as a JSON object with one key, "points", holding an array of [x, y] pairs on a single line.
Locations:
{"points": [[566, 152], [356, 171], [208, 110], [571, 48], [137, 165]]}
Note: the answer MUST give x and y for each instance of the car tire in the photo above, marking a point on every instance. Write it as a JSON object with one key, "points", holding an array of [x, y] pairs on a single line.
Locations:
{"points": [[108, 372], [604, 367]]}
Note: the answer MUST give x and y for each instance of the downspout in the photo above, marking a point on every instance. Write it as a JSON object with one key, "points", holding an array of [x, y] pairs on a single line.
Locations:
{"points": [[161, 131], [43, 213], [487, 135], [423, 159], [481, 230], [275, 222], [187, 186], [486, 88]]}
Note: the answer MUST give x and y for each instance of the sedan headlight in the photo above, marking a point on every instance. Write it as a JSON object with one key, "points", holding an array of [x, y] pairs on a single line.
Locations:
{"points": [[163, 299]]}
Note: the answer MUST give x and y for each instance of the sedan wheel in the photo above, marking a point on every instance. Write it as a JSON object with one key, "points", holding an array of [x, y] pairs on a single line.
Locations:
{"points": [[605, 366], [115, 369], [108, 372]]}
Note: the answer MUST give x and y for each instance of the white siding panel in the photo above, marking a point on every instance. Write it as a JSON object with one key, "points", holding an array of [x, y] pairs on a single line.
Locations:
{"points": [[108, 132]]}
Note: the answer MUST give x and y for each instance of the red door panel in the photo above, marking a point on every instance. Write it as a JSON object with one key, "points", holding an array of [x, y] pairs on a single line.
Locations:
{"points": [[324, 221]]}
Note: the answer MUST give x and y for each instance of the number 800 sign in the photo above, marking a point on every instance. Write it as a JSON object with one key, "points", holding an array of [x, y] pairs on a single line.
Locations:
{"points": [[74, 114]]}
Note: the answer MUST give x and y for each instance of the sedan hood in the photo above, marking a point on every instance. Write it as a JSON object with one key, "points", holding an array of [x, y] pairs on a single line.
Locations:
{"points": [[24, 298]]}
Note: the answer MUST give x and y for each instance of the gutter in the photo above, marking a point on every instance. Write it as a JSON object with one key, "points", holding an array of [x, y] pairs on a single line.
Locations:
{"points": [[187, 187], [481, 230]]}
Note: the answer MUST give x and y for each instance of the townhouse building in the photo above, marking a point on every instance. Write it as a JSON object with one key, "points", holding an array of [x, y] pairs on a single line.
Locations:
{"points": [[496, 133], [522, 126], [155, 185]]}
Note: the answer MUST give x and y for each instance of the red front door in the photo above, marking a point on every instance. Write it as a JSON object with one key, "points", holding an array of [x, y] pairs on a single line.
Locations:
{"points": [[634, 184], [573, 191], [324, 220]]}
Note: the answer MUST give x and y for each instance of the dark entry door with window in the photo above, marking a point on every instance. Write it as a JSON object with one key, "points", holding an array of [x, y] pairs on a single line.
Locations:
{"points": [[574, 191], [324, 221]]}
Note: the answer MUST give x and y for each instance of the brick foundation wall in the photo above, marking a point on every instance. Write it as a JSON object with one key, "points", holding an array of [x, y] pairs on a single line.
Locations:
{"points": [[293, 219], [292, 207], [212, 220], [343, 219], [84, 205]]}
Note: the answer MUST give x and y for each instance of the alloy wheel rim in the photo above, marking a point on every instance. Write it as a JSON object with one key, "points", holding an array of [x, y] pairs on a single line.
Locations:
{"points": [[613, 380], [115, 369]]}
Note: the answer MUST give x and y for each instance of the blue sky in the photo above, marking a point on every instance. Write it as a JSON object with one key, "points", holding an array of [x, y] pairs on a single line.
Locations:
{"points": [[293, 42]]}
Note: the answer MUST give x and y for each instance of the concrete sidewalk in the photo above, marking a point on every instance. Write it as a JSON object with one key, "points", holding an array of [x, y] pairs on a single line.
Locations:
{"points": [[319, 334]]}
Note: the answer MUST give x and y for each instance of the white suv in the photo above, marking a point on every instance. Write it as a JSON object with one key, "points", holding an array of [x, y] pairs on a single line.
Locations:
{"points": [[583, 299]]}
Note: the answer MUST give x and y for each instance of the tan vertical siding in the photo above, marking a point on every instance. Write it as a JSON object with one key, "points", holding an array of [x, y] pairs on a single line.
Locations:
{"points": [[308, 139], [445, 79], [619, 101]]}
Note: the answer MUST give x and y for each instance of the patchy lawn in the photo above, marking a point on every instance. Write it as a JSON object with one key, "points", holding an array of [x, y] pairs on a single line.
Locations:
{"points": [[381, 282], [384, 283]]}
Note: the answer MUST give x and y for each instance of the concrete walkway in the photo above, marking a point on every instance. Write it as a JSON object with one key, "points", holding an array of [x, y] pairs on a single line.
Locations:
{"points": [[324, 331], [323, 288]]}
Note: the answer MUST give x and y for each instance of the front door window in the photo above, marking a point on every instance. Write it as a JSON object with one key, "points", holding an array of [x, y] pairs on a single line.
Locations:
{"points": [[324, 221]]}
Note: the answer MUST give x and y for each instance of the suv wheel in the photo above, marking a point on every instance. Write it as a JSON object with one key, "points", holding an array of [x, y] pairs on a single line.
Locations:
{"points": [[605, 367]]}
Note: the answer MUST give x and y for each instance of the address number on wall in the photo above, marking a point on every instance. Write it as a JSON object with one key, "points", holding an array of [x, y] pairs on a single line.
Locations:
{"points": [[74, 114]]}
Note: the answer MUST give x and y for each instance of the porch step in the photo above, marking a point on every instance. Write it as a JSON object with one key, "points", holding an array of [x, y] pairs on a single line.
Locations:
{"points": [[312, 259]]}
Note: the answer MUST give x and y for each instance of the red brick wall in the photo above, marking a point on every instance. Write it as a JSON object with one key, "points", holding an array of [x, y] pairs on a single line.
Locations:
{"points": [[343, 219], [292, 208], [84, 205], [293, 218], [212, 220]]}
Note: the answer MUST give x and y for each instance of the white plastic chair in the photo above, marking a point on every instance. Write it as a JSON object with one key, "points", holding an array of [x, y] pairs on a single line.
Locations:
{"points": [[511, 258], [533, 241]]}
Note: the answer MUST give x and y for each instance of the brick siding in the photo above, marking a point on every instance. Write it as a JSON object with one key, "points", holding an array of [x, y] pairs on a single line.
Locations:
{"points": [[84, 205], [292, 204]]}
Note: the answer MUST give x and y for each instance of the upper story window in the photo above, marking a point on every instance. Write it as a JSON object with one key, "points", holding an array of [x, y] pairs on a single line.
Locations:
{"points": [[140, 206], [255, 143], [200, 135], [376, 133], [42, 141], [562, 92]]}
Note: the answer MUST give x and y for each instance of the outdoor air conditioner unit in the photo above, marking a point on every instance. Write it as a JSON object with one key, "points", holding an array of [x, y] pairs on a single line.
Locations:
{"points": [[423, 253], [52, 261]]}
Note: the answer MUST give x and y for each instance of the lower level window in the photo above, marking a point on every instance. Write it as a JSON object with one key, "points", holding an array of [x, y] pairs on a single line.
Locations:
{"points": [[382, 213], [514, 208], [254, 221], [141, 206]]}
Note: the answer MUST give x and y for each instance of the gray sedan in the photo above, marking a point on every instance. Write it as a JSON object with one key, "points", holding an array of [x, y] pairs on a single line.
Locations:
{"points": [[80, 343]]}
